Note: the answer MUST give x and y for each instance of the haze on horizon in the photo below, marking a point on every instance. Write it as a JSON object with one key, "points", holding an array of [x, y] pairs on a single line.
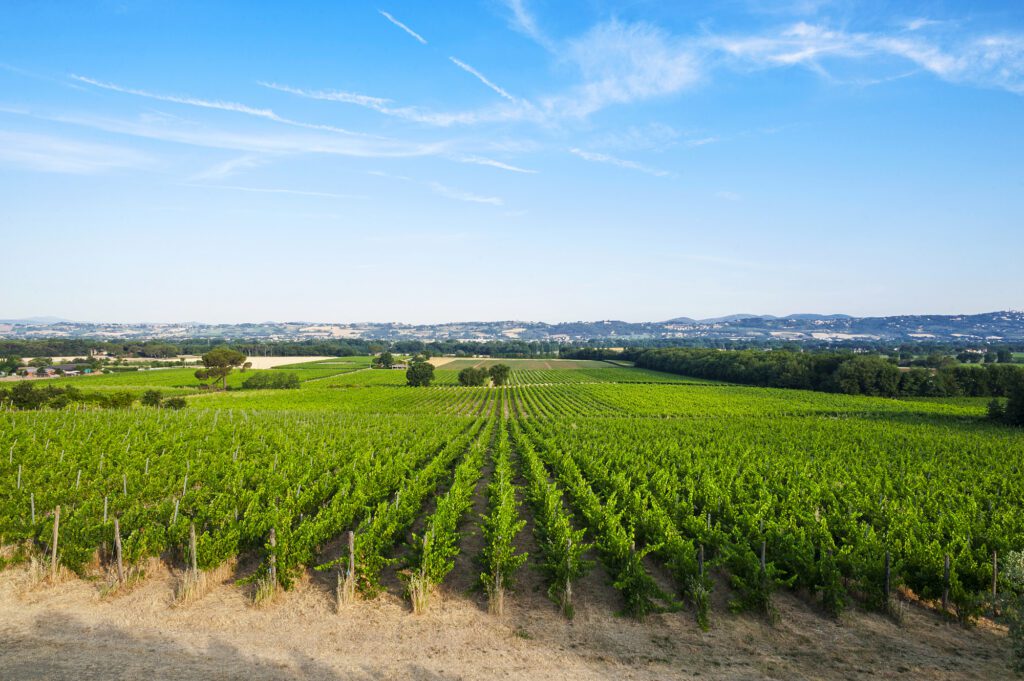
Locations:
{"points": [[509, 160]]}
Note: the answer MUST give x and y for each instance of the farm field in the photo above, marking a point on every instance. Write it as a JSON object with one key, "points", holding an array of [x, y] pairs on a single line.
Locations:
{"points": [[688, 526]]}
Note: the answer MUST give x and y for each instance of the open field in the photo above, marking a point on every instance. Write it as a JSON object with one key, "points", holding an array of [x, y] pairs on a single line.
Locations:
{"points": [[611, 481]]}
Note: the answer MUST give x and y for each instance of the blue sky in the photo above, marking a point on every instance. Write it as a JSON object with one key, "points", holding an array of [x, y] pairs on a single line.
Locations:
{"points": [[516, 159]]}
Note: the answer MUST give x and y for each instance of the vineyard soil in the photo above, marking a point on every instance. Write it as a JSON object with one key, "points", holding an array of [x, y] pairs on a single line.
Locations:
{"points": [[68, 631]]}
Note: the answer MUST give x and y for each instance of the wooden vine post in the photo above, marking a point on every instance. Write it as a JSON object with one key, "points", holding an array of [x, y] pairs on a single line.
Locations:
{"points": [[273, 556], [192, 548], [945, 585], [888, 583], [117, 551], [53, 553], [995, 581]]}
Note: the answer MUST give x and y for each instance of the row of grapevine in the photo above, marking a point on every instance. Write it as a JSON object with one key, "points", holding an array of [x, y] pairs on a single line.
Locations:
{"points": [[501, 525]]}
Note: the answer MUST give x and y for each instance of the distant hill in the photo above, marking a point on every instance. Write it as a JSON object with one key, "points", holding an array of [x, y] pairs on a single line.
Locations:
{"points": [[991, 327], [35, 320]]}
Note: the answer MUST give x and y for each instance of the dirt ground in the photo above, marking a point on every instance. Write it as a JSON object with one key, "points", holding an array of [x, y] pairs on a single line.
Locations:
{"points": [[69, 631]]}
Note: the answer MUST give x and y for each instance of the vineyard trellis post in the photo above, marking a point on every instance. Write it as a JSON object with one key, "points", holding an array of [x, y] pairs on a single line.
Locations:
{"points": [[53, 550], [192, 548], [32, 502], [273, 556], [117, 551], [995, 581], [945, 584], [886, 587]]}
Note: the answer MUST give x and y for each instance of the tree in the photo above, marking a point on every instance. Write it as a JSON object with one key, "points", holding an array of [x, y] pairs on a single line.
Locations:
{"points": [[175, 403], [499, 373], [40, 362], [473, 376], [384, 360], [420, 374], [866, 375], [1004, 356], [152, 398], [219, 362], [1015, 404]]}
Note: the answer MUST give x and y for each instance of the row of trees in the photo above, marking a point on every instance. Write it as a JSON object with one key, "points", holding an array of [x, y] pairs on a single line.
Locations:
{"points": [[497, 374], [25, 395], [835, 372]]}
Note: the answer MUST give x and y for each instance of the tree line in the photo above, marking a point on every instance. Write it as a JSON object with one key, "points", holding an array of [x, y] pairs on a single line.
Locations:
{"points": [[854, 374]]}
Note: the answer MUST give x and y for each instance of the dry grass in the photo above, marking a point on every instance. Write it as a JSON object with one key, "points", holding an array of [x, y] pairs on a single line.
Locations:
{"points": [[265, 591], [63, 631], [345, 592]]}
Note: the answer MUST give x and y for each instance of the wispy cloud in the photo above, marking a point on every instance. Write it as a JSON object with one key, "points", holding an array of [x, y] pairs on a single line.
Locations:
{"points": [[726, 195], [524, 22], [460, 195], [482, 161], [482, 78], [218, 105], [402, 26], [505, 112], [701, 141], [595, 157], [230, 167], [995, 60], [174, 130], [624, 63], [443, 190], [60, 155], [266, 190]]}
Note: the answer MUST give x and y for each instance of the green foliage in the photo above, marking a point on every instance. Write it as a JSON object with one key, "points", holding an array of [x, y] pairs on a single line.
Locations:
{"points": [[272, 380], [420, 373], [218, 364], [500, 526], [152, 398], [471, 376], [499, 373], [562, 546], [384, 360]]}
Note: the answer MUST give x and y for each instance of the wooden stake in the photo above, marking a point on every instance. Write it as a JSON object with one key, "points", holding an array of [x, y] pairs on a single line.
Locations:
{"points": [[124, 483], [53, 553], [19, 476], [117, 552], [192, 547], [273, 556], [995, 580], [104, 510], [351, 554], [175, 518], [945, 585], [885, 588], [78, 480]]}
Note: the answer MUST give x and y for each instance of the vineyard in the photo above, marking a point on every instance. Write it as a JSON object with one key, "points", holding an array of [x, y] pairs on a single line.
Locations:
{"points": [[683, 493]]}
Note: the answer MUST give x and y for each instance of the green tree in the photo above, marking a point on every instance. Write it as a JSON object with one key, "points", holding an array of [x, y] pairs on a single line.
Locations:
{"points": [[473, 376], [152, 398], [40, 362], [1004, 356], [384, 360], [866, 375], [420, 374], [1015, 403], [499, 373], [218, 364]]}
